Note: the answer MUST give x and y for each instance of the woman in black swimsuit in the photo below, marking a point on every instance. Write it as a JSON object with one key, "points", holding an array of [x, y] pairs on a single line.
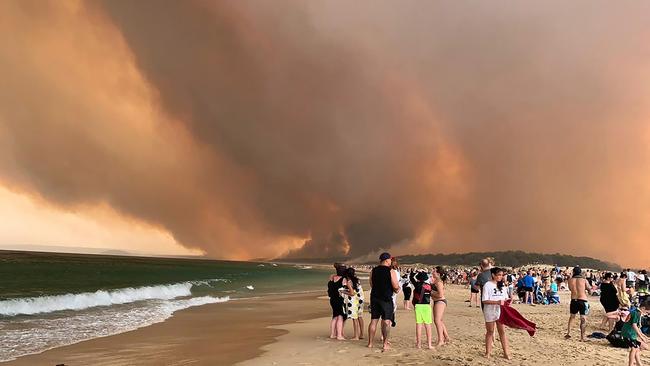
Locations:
{"points": [[406, 289], [336, 283]]}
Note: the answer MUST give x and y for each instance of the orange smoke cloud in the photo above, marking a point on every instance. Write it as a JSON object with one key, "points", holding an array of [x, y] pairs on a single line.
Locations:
{"points": [[309, 128]]}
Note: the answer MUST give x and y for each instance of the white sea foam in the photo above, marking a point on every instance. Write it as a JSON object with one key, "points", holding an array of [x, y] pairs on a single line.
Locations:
{"points": [[29, 335], [80, 301]]}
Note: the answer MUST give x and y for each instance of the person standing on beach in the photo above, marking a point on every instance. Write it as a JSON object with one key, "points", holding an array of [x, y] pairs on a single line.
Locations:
{"points": [[394, 265], [529, 283], [354, 303], [406, 290], [439, 304], [623, 297], [383, 283], [422, 305], [485, 276], [473, 290], [579, 303], [336, 283], [493, 296], [609, 300]]}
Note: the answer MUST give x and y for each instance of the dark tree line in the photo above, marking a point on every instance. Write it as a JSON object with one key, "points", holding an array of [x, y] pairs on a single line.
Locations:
{"points": [[510, 259]]}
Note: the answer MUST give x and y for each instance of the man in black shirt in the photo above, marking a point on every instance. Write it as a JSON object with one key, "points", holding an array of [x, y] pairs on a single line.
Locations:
{"points": [[384, 283]]}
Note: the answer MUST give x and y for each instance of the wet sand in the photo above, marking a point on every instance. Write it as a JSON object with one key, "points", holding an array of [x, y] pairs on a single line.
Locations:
{"points": [[215, 334], [294, 330]]}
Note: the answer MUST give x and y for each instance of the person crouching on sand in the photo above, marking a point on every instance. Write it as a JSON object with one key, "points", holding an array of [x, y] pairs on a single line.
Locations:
{"points": [[494, 295], [632, 335]]}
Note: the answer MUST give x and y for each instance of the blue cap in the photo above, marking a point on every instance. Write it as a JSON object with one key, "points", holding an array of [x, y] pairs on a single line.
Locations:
{"points": [[384, 256]]}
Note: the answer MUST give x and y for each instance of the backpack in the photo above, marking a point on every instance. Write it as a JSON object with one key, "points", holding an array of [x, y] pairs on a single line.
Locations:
{"points": [[615, 338], [418, 296]]}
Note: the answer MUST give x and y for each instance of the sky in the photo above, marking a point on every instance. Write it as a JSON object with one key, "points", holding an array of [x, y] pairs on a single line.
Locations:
{"points": [[254, 129]]}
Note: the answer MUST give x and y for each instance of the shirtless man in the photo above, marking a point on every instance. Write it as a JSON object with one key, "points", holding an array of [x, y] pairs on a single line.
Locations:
{"points": [[579, 304]]}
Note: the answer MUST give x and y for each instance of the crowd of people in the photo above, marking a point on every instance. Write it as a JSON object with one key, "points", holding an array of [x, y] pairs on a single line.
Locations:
{"points": [[624, 297]]}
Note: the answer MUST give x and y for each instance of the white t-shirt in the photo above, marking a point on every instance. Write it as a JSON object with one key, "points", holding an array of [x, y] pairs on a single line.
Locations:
{"points": [[631, 276], [492, 312]]}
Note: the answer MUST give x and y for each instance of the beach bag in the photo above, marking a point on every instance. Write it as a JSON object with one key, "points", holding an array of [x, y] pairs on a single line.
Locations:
{"points": [[615, 338], [418, 296]]}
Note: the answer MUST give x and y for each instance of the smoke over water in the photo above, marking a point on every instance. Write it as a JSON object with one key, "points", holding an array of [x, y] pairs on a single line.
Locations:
{"points": [[311, 129]]}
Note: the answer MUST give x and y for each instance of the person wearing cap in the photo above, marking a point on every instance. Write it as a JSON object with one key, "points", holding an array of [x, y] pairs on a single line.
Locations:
{"points": [[383, 283], [579, 303]]}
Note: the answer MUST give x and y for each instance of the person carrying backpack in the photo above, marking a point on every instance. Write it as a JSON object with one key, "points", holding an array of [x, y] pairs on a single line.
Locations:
{"points": [[422, 305]]}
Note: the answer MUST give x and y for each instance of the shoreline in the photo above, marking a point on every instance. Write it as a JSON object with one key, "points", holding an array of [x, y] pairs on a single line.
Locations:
{"points": [[224, 334], [294, 329]]}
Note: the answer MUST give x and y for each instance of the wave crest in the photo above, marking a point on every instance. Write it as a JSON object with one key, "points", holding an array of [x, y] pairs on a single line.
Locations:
{"points": [[48, 304]]}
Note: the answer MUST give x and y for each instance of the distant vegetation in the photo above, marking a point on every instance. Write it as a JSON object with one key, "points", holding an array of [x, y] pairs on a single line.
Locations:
{"points": [[510, 259]]}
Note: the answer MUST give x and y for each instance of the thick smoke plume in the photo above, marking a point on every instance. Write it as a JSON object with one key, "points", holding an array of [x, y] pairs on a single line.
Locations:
{"points": [[252, 129]]}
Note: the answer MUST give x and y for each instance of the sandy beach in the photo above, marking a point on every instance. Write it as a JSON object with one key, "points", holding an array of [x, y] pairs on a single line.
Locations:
{"points": [[306, 343], [293, 330], [215, 334]]}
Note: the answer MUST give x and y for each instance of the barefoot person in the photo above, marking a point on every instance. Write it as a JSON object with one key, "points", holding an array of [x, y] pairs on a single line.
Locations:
{"points": [[422, 304], [354, 303], [474, 291], [336, 283], [383, 284], [439, 304], [609, 300], [406, 290], [494, 295], [579, 303], [632, 335]]}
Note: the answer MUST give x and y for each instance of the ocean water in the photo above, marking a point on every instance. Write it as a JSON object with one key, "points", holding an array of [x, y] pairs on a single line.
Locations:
{"points": [[49, 300]]}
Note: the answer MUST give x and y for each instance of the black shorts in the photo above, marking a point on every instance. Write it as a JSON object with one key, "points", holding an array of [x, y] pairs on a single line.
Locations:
{"points": [[631, 343], [382, 309], [473, 290], [528, 289], [579, 306], [407, 293]]}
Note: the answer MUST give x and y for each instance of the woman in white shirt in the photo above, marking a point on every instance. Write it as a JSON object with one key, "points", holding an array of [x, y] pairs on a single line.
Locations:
{"points": [[494, 295]]}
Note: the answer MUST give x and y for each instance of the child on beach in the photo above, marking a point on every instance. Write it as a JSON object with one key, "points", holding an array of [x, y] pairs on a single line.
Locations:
{"points": [[632, 335], [354, 303], [422, 304], [494, 295]]}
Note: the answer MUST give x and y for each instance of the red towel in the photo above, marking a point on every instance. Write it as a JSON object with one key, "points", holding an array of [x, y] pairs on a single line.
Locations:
{"points": [[510, 317]]}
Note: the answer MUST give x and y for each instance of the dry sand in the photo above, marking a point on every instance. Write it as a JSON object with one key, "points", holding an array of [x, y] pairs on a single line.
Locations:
{"points": [[294, 330], [307, 343]]}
